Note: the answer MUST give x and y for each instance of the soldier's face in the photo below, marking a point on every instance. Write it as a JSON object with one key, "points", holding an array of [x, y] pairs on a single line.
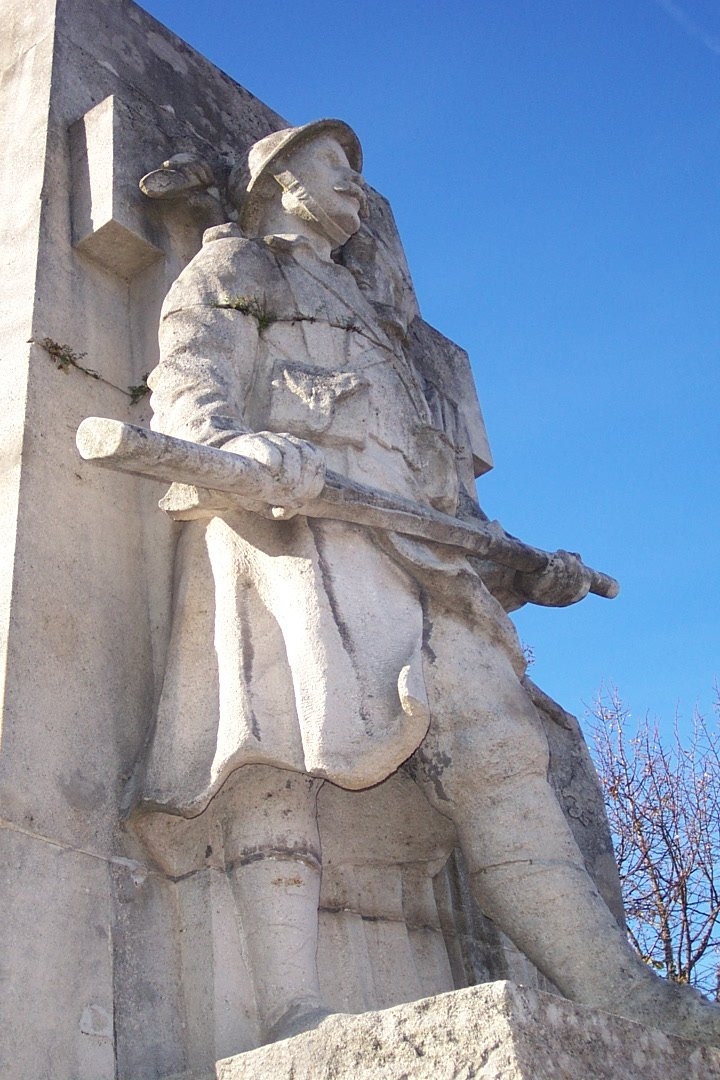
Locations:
{"points": [[322, 168]]}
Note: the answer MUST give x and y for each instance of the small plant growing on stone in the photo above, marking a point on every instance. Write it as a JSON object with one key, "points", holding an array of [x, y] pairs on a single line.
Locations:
{"points": [[64, 357], [249, 305], [138, 392]]}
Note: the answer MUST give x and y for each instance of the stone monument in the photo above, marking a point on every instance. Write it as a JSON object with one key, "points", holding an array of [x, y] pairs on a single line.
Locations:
{"points": [[268, 755]]}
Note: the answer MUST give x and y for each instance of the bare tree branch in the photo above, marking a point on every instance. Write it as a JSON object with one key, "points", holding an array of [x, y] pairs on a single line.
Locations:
{"points": [[663, 804]]}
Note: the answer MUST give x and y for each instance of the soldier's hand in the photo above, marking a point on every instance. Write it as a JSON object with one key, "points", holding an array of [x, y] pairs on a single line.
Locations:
{"points": [[293, 470], [564, 581]]}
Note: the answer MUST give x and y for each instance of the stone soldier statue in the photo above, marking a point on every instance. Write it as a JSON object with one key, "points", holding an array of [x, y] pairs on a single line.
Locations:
{"points": [[306, 651]]}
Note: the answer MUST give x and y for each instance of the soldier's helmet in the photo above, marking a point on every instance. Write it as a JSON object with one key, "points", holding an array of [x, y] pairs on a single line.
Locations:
{"points": [[249, 183]]}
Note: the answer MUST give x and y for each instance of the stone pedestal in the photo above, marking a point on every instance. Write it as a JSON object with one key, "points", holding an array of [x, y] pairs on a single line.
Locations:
{"points": [[498, 1031]]}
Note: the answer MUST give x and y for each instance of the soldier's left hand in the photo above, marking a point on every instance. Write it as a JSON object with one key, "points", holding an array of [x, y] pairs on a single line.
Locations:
{"points": [[564, 581]]}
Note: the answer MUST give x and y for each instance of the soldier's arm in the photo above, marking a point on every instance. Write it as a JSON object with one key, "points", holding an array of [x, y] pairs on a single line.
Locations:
{"points": [[209, 356], [208, 349]]}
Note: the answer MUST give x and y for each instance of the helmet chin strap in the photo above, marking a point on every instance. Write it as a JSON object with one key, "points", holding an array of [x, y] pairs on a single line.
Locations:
{"points": [[303, 205]]}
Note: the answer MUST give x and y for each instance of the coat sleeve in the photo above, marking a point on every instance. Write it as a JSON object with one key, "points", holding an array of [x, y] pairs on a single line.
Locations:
{"points": [[208, 346]]}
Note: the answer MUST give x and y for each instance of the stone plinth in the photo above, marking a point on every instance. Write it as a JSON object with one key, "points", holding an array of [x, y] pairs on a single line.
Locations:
{"points": [[497, 1031]]}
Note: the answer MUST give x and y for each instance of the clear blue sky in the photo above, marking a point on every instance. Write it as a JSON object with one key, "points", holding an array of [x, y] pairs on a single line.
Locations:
{"points": [[554, 168]]}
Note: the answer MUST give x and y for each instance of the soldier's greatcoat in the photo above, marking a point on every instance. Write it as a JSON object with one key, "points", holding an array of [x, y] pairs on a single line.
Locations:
{"points": [[299, 643]]}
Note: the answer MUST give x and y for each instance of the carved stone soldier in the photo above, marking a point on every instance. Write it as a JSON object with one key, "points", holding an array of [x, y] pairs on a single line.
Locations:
{"points": [[308, 651]]}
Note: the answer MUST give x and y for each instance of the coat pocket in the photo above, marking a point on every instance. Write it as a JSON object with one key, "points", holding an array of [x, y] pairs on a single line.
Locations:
{"points": [[328, 406]]}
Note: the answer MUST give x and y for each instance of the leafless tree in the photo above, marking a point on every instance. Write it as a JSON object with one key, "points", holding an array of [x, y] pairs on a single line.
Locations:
{"points": [[663, 802]]}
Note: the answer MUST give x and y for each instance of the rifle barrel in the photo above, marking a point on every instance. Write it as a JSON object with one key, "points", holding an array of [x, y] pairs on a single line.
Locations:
{"points": [[141, 452]]}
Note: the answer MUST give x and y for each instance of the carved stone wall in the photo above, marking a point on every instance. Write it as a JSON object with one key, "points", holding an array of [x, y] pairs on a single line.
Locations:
{"points": [[116, 964]]}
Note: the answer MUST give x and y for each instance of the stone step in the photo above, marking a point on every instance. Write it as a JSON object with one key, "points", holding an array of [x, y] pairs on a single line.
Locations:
{"points": [[496, 1031]]}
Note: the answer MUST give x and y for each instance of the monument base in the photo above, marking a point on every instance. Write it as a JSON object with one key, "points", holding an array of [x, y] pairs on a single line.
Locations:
{"points": [[496, 1031]]}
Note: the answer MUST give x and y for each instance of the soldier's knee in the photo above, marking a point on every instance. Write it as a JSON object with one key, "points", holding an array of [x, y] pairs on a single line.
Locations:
{"points": [[475, 760], [517, 749], [266, 812]]}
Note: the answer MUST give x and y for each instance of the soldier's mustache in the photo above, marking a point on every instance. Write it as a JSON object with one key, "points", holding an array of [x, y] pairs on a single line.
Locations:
{"points": [[347, 187]]}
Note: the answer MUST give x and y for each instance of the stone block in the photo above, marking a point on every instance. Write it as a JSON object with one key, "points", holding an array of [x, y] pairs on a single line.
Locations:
{"points": [[108, 215], [56, 971], [445, 366], [498, 1031]]}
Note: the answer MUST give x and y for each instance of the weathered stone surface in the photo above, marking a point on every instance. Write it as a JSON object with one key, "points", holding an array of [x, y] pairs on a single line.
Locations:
{"points": [[578, 789], [56, 981], [498, 1031], [305, 649], [128, 944]]}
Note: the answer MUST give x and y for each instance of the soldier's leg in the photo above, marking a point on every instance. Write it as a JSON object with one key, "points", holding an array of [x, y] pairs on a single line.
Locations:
{"points": [[272, 857], [484, 764]]}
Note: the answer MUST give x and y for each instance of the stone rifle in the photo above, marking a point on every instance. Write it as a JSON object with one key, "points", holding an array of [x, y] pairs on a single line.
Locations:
{"points": [[137, 450]]}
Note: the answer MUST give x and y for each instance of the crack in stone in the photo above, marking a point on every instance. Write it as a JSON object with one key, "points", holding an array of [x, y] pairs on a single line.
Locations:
{"points": [[62, 845], [331, 909]]}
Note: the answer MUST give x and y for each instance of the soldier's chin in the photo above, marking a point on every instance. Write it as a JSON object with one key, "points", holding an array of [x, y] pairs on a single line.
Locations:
{"points": [[347, 222]]}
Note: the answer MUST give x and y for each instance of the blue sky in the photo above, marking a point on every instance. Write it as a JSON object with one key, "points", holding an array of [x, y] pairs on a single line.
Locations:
{"points": [[554, 168]]}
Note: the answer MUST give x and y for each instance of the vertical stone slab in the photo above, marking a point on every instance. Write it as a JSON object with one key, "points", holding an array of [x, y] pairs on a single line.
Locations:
{"points": [[26, 49], [150, 1020], [82, 603], [56, 926]]}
